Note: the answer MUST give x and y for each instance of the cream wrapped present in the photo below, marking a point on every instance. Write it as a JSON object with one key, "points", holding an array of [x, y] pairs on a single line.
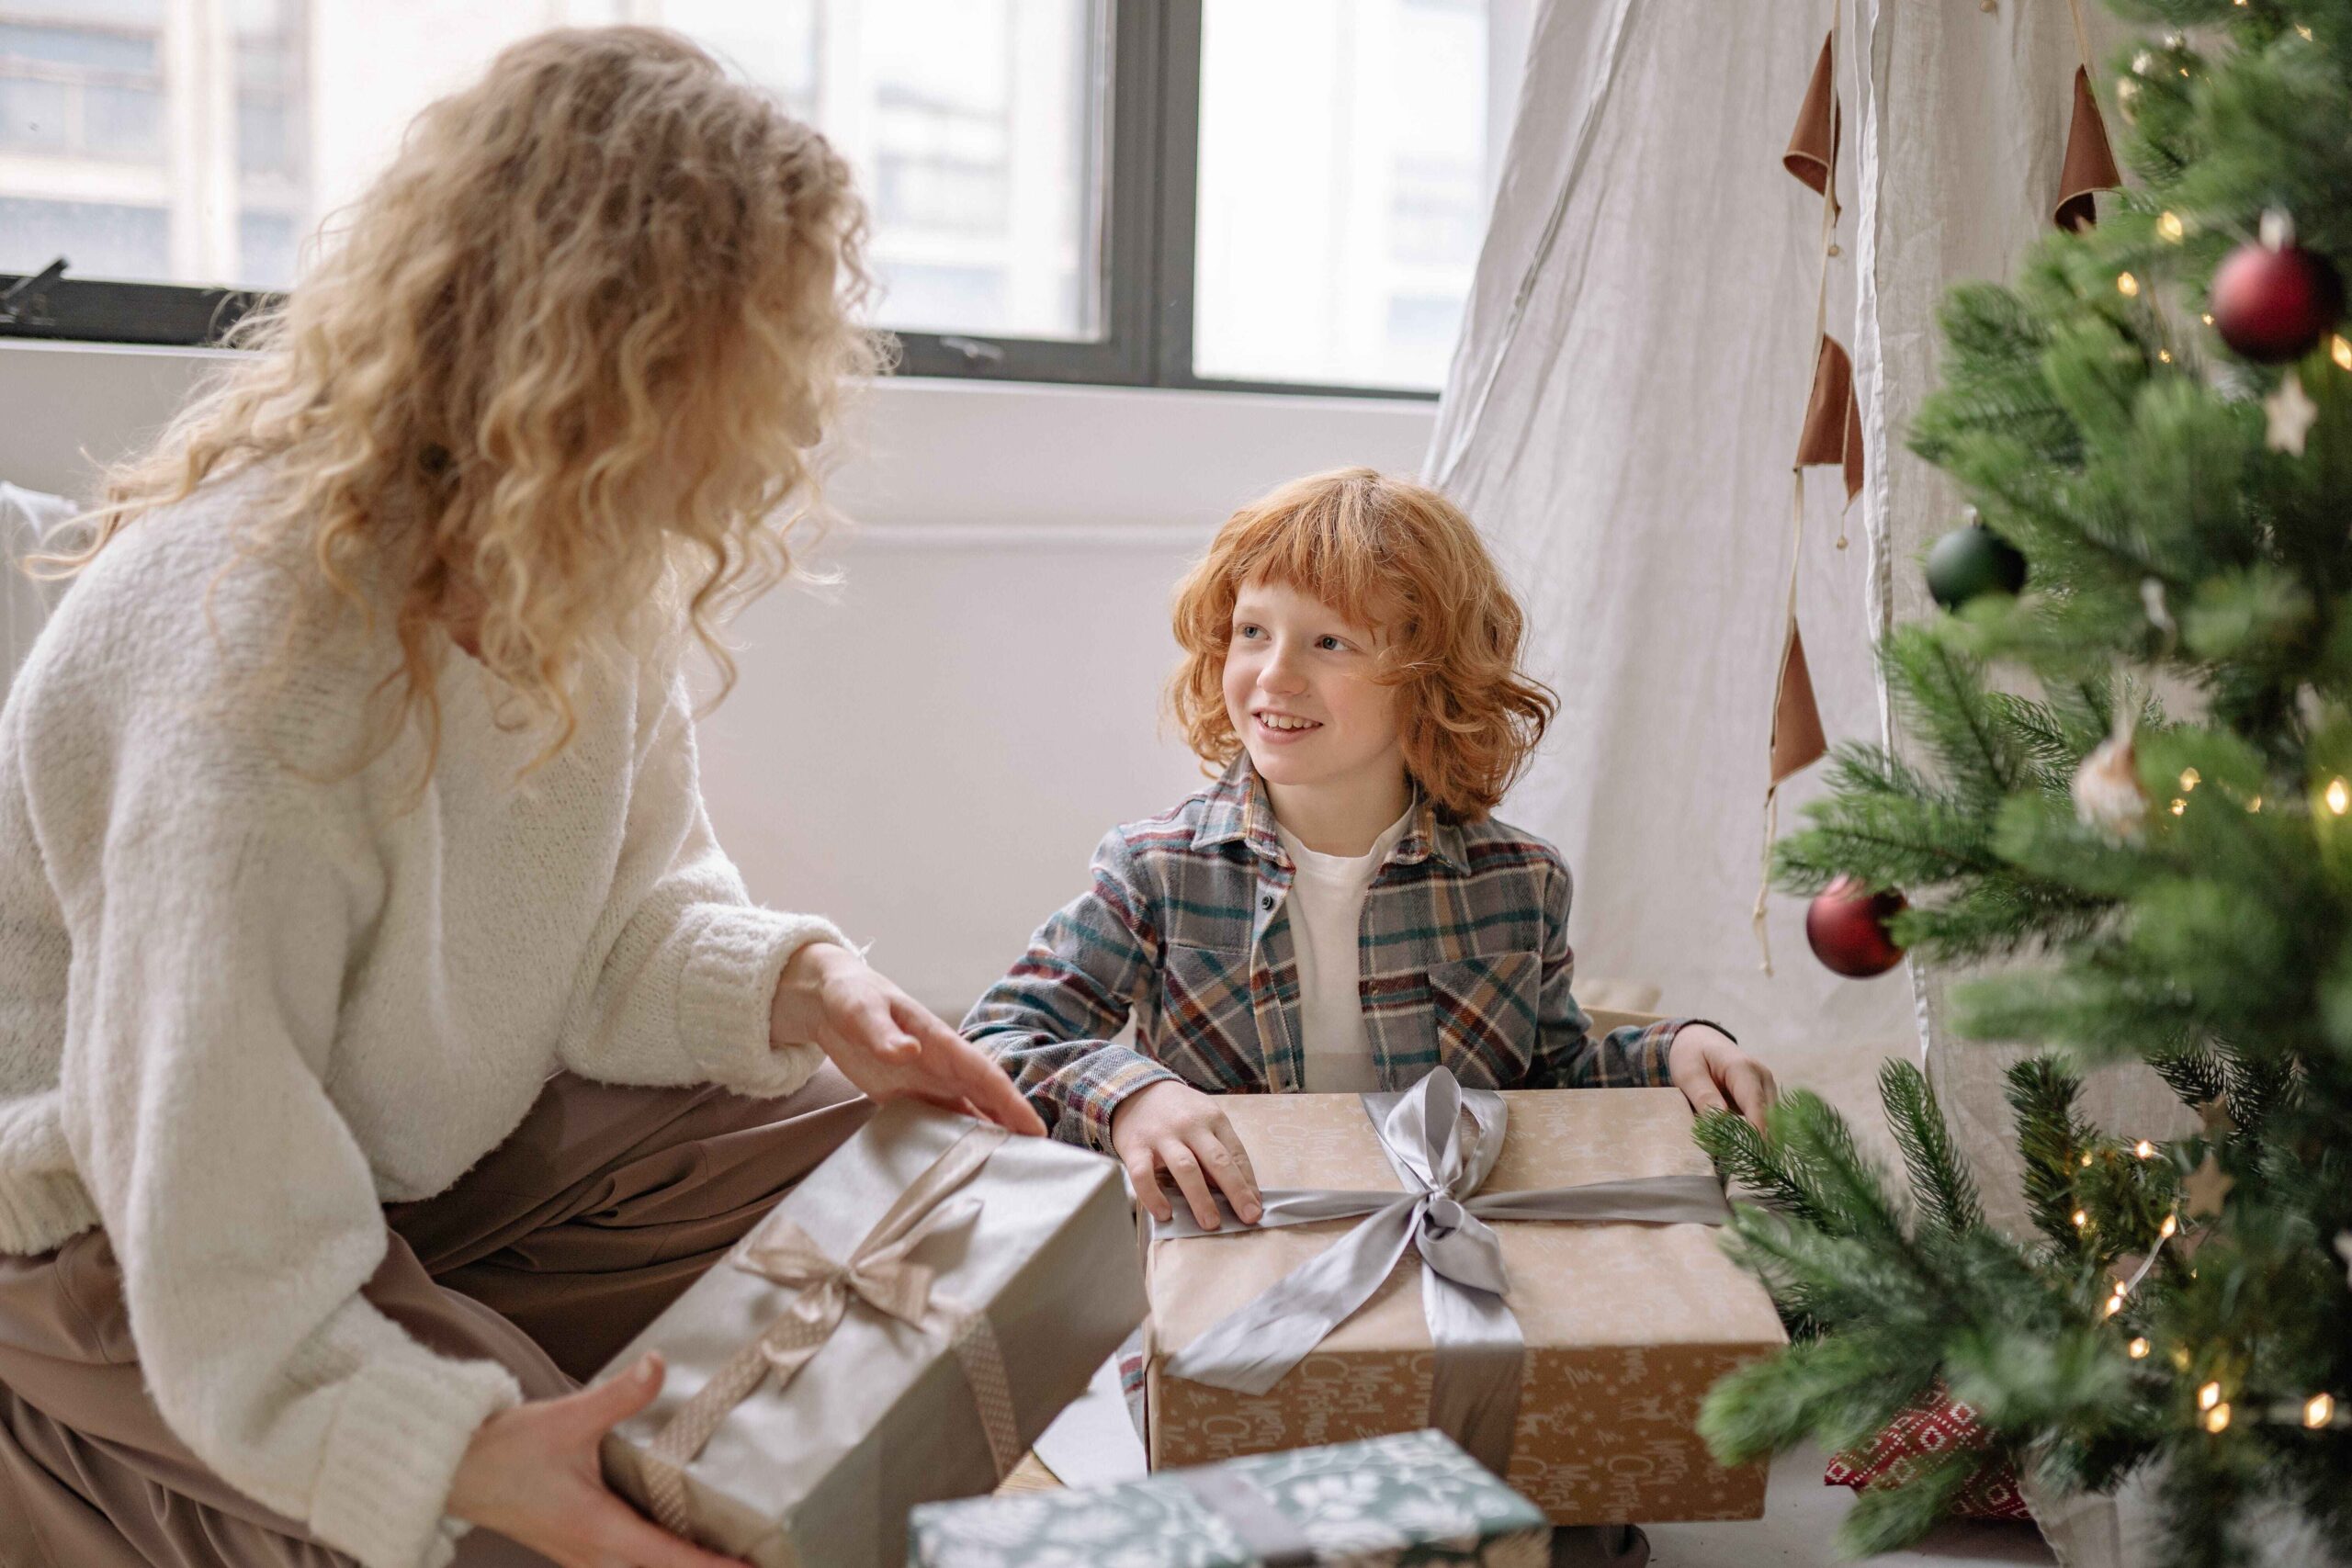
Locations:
{"points": [[899, 1329], [1534, 1273]]}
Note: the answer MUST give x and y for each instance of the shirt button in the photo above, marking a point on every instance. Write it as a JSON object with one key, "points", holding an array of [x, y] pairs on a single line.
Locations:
{"points": [[1267, 903]]}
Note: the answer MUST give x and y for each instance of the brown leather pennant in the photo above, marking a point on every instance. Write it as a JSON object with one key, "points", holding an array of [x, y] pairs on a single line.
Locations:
{"points": [[1813, 145], [1833, 417], [1797, 739], [2090, 164]]}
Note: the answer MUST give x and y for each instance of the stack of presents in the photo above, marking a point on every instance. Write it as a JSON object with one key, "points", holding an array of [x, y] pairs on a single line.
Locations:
{"points": [[1465, 1317]]}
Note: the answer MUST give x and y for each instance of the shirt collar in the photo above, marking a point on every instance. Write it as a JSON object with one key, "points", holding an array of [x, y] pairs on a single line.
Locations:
{"points": [[1239, 811]]}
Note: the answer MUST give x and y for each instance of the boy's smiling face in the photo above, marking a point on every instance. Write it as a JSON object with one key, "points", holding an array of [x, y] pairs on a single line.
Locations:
{"points": [[1300, 688]]}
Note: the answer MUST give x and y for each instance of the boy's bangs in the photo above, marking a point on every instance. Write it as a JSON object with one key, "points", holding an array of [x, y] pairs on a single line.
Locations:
{"points": [[1321, 551]]}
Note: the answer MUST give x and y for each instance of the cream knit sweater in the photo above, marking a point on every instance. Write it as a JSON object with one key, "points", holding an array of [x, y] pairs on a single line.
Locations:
{"points": [[247, 997]]}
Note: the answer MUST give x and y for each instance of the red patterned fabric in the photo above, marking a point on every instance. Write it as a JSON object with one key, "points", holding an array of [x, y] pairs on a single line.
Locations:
{"points": [[1937, 1426]]}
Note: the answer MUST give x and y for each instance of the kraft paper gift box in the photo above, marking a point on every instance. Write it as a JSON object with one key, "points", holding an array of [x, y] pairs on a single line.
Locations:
{"points": [[1626, 1325], [898, 1329], [1412, 1498]]}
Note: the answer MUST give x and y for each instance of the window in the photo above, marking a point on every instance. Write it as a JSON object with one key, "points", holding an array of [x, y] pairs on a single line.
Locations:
{"points": [[1343, 187], [1147, 192]]}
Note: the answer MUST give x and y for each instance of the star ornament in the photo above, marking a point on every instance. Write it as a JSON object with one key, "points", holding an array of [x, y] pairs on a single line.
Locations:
{"points": [[2215, 1114], [2291, 414], [2206, 1187]]}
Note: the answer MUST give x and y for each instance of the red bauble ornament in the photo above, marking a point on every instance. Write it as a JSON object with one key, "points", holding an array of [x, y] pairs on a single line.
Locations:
{"points": [[1846, 925], [2273, 302]]}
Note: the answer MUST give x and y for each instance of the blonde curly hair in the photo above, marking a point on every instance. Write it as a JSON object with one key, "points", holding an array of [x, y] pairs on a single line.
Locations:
{"points": [[1387, 553], [556, 373]]}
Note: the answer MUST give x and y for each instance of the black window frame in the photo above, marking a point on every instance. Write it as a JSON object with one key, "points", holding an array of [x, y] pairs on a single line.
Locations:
{"points": [[1148, 145]]}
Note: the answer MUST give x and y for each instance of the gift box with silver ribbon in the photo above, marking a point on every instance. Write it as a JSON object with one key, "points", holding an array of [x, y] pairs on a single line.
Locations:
{"points": [[1534, 1273]]}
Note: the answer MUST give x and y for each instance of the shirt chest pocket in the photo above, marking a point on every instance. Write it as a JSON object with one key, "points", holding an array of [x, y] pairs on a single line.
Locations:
{"points": [[1485, 1011], [1204, 1000]]}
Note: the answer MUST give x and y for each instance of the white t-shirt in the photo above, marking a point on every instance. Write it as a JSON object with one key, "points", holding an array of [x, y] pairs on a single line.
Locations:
{"points": [[1326, 908]]}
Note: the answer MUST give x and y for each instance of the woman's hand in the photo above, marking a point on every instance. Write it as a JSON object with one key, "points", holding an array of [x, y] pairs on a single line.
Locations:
{"points": [[531, 1474], [1175, 1127], [1715, 1074], [887, 1044]]}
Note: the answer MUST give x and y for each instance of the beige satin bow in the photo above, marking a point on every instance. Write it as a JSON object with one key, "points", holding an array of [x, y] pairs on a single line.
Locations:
{"points": [[879, 1273]]}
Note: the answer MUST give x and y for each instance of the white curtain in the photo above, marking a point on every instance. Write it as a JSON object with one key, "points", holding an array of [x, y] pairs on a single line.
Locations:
{"points": [[1621, 418]]}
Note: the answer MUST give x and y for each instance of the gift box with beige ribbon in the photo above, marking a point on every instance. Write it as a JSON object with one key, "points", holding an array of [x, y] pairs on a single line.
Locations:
{"points": [[1534, 1273], [898, 1330]]}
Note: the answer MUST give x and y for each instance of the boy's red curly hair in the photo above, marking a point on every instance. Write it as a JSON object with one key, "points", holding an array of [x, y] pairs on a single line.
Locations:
{"points": [[1398, 556]]}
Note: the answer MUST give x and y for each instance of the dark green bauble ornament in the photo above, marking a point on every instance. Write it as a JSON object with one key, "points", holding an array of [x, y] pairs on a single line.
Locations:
{"points": [[1970, 560]]}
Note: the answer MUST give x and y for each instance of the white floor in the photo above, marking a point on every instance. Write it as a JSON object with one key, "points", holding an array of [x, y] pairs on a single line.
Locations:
{"points": [[1800, 1526]]}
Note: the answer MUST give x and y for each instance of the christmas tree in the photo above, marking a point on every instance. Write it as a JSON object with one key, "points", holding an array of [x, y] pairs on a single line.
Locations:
{"points": [[2138, 775]]}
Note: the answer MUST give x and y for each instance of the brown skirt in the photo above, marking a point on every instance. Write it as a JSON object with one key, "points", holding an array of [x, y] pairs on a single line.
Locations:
{"points": [[549, 1257]]}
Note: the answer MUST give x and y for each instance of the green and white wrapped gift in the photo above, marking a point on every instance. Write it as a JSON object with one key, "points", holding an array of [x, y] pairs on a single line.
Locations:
{"points": [[898, 1329], [1414, 1498]]}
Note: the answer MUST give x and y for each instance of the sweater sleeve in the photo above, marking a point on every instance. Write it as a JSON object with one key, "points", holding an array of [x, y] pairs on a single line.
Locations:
{"points": [[208, 953], [685, 964]]}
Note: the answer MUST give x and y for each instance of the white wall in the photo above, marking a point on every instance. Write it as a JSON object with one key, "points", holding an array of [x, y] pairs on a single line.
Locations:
{"points": [[929, 754]]}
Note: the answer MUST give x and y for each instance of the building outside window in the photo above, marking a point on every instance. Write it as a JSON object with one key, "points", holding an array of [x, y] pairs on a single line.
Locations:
{"points": [[1342, 157]]}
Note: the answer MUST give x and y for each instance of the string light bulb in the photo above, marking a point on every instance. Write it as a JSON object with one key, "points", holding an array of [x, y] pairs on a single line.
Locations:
{"points": [[2339, 796], [2172, 1223], [2144, 1149], [2339, 348], [2206, 317], [2164, 355], [2218, 1419], [2170, 226], [2318, 1411], [2189, 779], [2209, 1396], [2254, 805], [2126, 285], [2087, 1159], [2081, 1219], [2178, 806], [2137, 1349]]}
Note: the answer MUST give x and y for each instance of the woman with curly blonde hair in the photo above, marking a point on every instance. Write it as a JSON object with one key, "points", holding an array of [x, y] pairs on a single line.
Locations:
{"points": [[1340, 911], [384, 1037]]}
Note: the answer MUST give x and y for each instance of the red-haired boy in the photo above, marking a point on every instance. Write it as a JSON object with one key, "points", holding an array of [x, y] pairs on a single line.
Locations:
{"points": [[1340, 911]]}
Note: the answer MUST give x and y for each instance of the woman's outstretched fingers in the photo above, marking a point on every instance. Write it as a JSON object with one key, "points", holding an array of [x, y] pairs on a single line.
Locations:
{"points": [[977, 1078]]}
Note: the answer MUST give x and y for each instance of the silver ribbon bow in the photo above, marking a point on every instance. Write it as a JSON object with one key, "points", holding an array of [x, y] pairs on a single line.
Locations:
{"points": [[877, 1272], [1442, 1141]]}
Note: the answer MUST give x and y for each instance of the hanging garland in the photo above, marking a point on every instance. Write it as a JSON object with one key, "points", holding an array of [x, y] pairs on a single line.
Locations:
{"points": [[1970, 562], [1831, 433], [2089, 164]]}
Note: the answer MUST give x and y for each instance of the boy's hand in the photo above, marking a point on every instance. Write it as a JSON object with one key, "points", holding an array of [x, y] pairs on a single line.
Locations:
{"points": [[885, 1043], [1175, 1127], [1715, 1074]]}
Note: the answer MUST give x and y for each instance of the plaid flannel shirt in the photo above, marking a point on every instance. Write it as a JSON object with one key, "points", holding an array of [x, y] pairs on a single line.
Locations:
{"points": [[1464, 951]]}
